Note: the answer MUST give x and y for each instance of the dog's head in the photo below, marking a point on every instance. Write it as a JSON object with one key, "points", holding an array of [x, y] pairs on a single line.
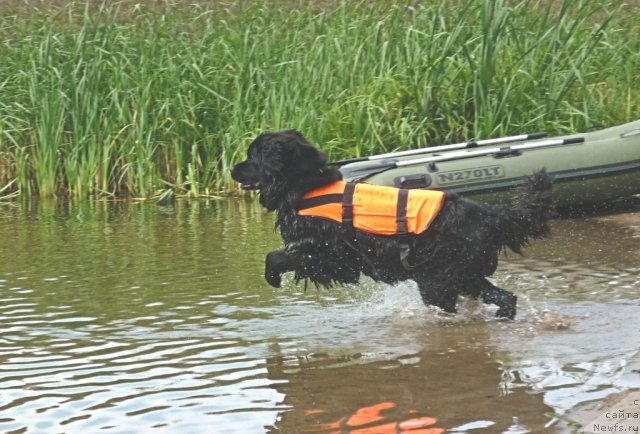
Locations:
{"points": [[282, 162]]}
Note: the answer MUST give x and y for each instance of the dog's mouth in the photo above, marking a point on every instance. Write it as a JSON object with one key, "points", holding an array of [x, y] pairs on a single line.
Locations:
{"points": [[250, 186]]}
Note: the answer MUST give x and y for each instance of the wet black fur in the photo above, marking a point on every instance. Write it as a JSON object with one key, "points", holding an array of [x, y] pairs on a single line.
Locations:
{"points": [[453, 257]]}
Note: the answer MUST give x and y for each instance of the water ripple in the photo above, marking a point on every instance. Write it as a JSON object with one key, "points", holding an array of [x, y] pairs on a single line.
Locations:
{"points": [[164, 324]]}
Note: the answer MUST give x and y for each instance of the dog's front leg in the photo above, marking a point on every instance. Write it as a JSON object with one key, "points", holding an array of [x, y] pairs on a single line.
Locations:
{"points": [[505, 300], [276, 263]]}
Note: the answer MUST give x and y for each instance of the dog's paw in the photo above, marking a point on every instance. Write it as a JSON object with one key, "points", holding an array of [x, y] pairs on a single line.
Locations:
{"points": [[273, 279], [507, 312]]}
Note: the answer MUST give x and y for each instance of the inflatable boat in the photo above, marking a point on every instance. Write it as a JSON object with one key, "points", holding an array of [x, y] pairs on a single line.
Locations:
{"points": [[590, 168]]}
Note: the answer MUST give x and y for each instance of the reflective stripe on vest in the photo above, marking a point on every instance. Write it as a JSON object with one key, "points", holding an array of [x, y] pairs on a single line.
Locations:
{"points": [[377, 209]]}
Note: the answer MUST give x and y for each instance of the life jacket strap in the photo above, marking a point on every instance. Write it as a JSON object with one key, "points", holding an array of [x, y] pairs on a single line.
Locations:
{"points": [[401, 211], [347, 205], [312, 202]]}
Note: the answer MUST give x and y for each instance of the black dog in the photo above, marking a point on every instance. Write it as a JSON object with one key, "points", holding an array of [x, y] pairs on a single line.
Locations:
{"points": [[452, 257]]}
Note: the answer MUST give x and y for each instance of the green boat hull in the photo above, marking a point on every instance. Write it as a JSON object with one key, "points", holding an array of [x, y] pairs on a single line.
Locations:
{"points": [[605, 167]]}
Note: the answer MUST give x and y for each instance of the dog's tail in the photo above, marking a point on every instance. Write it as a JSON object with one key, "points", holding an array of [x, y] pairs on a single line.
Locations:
{"points": [[529, 218]]}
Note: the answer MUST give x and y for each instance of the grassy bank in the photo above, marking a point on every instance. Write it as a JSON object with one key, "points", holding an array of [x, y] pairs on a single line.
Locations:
{"points": [[147, 100]]}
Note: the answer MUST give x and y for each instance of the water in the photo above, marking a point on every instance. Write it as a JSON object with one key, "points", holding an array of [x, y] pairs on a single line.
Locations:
{"points": [[122, 318]]}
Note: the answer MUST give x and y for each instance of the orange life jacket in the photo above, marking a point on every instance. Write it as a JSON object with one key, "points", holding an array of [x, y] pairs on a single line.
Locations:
{"points": [[373, 208]]}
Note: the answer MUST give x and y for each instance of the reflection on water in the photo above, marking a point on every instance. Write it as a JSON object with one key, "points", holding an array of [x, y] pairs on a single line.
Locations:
{"points": [[143, 318]]}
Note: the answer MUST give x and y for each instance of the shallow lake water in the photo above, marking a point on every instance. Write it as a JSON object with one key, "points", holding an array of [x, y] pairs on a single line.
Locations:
{"points": [[125, 317]]}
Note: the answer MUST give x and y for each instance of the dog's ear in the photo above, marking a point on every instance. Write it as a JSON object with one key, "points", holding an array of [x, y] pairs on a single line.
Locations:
{"points": [[302, 156], [288, 153], [270, 153]]}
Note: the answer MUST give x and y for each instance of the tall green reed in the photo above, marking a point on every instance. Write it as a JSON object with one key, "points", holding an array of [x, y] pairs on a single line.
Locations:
{"points": [[109, 101]]}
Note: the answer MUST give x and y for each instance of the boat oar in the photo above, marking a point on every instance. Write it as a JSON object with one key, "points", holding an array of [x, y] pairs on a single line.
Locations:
{"points": [[464, 145], [381, 166]]}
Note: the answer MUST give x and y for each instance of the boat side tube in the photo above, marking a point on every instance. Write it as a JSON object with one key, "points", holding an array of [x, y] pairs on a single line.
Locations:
{"points": [[464, 145], [378, 166]]}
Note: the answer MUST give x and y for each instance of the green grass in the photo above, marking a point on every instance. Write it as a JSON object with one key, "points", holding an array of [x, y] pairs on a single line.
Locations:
{"points": [[132, 101]]}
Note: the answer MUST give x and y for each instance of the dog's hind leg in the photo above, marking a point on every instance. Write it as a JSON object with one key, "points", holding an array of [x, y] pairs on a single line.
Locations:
{"points": [[276, 263], [441, 293], [505, 300]]}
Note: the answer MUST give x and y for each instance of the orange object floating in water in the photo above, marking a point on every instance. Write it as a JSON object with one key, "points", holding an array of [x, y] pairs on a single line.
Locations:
{"points": [[370, 420], [418, 422], [367, 415]]}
